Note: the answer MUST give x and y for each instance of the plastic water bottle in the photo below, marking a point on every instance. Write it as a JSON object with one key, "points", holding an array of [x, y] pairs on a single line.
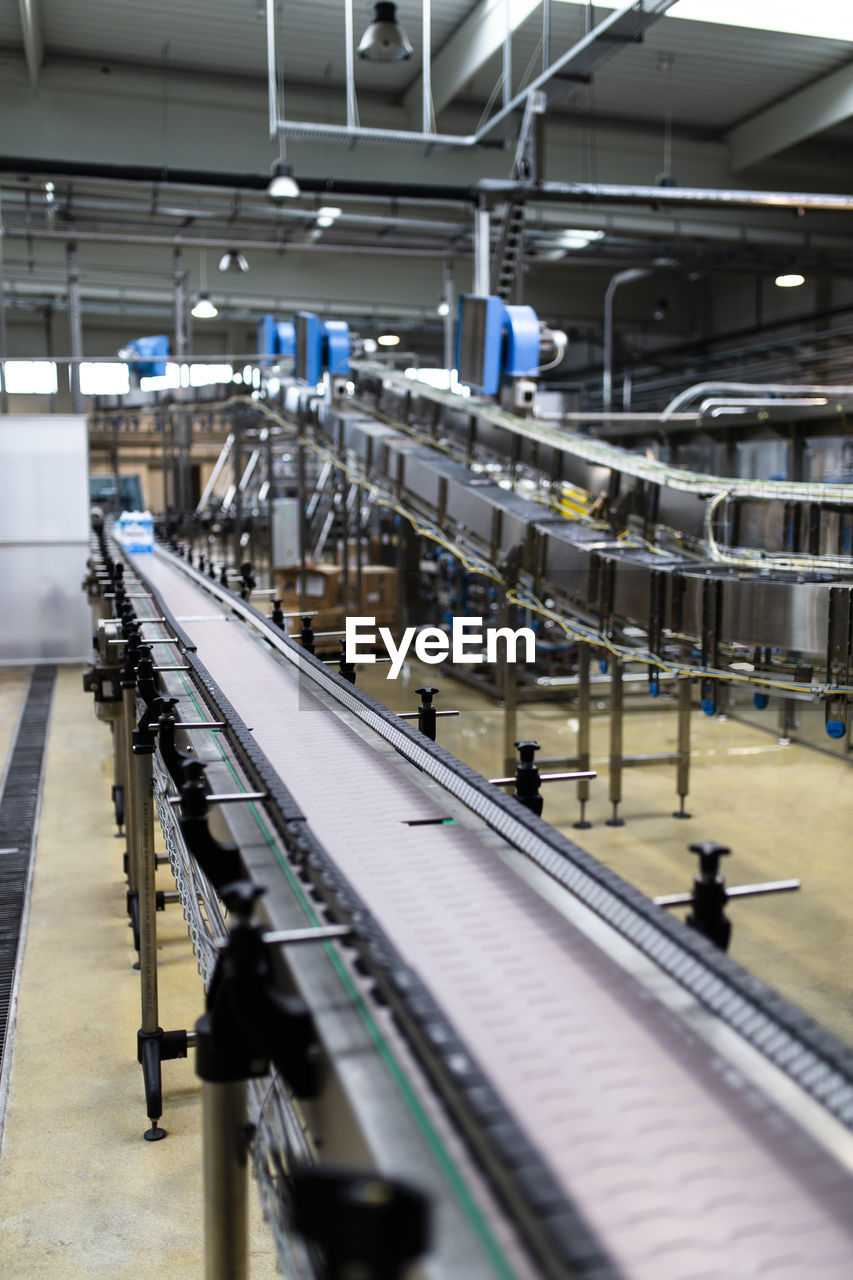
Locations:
{"points": [[135, 530]]}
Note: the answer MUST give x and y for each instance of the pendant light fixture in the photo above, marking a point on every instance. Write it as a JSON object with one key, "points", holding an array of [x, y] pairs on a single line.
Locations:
{"points": [[233, 260], [204, 309]]}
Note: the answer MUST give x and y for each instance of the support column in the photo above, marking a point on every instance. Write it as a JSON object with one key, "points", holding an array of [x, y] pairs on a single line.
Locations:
{"points": [[482, 251], [616, 724], [584, 713], [303, 524], [508, 684], [685, 707], [450, 317], [75, 322], [129, 716], [226, 1239]]}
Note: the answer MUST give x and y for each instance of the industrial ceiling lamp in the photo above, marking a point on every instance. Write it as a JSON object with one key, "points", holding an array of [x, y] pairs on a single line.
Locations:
{"points": [[283, 185], [204, 309], [385, 40], [790, 280], [233, 260]]}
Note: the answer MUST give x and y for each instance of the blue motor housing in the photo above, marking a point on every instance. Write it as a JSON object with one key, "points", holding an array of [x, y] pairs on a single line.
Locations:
{"points": [[153, 352], [275, 338], [285, 338], [495, 341], [322, 346], [266, 339]]}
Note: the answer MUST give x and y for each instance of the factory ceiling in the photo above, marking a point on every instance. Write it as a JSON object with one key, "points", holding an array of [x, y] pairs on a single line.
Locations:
{"points": [[131, 130]]}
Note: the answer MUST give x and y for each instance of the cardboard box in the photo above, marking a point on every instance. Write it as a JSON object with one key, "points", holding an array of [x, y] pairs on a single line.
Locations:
{"points": [[323, 586], [378, 590], [324, 594]]}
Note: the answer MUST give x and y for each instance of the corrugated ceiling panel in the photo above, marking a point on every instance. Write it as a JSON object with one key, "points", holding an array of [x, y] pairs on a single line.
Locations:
{"points": [[10, 23], [719, 74], [230, 35]]}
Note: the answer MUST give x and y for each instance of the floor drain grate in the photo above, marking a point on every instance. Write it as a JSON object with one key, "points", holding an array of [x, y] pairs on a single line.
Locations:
{"points": [[19, 806]]}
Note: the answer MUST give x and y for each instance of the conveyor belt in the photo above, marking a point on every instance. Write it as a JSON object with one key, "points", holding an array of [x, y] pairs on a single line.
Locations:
{"points": [[681, 1169], [19, 806], [599, 453]]}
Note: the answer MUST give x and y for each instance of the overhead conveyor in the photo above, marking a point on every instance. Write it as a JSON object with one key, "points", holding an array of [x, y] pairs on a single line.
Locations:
{"points": [[728, 580], [578, 1085]]}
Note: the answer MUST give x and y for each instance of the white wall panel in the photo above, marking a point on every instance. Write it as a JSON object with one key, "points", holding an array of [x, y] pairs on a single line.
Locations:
{"points": [[44, 533]]}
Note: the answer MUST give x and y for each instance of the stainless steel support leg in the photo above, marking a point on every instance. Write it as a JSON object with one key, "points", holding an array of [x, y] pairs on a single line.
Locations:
{"points": [[119, 788], [685, 707], [359, 558], [584, 711], [303, 525], [150, 1038], [787, 722], [226, 1245], [508, 683], [616, 719], [129, 719], [345, 575], [147, 889], [236, 538]]}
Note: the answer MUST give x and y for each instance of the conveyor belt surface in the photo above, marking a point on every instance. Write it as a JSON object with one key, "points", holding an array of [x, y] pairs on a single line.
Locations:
{"points": [[683, 1171]]}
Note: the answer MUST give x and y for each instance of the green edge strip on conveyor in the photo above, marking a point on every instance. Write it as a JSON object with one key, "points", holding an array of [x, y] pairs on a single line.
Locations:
{"points": [[467, 1203], [19, 807]]}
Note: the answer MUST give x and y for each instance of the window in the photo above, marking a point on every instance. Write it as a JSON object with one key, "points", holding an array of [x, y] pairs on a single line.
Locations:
{"points": [[104, 379], [441, 379], [194, 375], [170, 380], [31, 377], [203, 375]]}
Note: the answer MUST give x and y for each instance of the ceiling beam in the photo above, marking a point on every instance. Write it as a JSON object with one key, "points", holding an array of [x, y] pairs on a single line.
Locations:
{"points": [[477, 38], [821, 105], [33, 44]]}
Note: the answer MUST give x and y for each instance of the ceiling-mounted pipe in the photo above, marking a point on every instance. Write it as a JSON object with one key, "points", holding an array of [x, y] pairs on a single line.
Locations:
{"points": [[427, 120], [493, 188], [33, 45], [349, 63], [272, 84], [751, 388], [621, 277], [228, 242], [163, 176], [506, 95], [617, 193]]}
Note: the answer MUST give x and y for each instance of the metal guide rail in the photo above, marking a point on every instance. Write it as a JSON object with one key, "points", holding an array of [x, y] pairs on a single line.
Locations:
{"points": [[782, 622], [617, 1140], [595, 453]]}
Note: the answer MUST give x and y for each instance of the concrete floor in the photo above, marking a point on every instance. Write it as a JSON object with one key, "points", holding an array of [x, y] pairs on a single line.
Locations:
{"points": [[81, 1193], [784, 811]]}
